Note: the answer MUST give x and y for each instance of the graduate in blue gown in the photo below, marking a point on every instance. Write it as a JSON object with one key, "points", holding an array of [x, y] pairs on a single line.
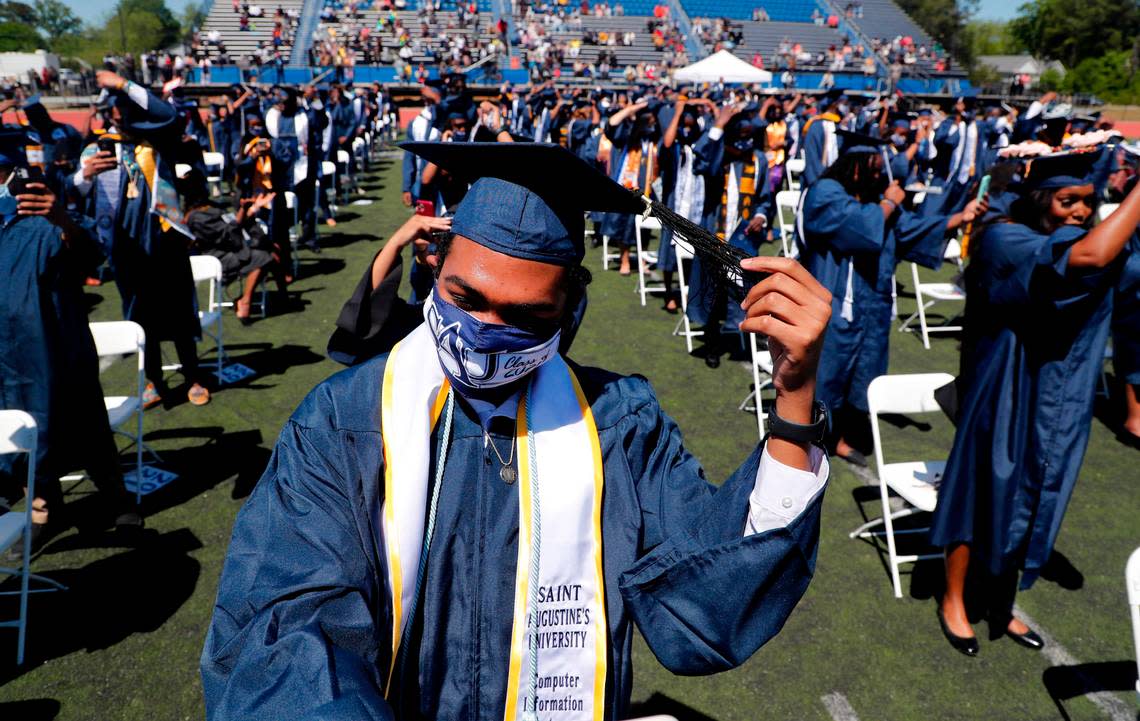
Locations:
{"points": [[682, 184], [635, 136], [303, 623], [854, 236], [963, 158], [1038, 304], [738, 208], [48, 366], [820, 144], [147, 239], [1126, 341]]}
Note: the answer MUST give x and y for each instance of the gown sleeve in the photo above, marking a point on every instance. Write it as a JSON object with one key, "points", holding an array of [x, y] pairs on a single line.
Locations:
{"points": [[1032, 270], [1126, 318], [373, 319], [813, 154], [295, 625], [849, 226], [708, 152], [705, 596], [920, 238]]}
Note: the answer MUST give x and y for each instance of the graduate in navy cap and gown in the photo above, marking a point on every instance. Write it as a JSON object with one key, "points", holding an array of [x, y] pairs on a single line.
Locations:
{"points": [[682, 183], [61, 144], [820, 144], [48, 366], [1126, 341], [634, 134], [738, 208], [148, 240], [963, 158], [1039, 291], [853, 234], [421, 507]]}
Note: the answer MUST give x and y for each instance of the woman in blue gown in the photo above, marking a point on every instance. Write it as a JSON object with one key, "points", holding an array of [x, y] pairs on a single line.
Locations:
{"points": [[854, 234], [1039, 289], [49, 367]]}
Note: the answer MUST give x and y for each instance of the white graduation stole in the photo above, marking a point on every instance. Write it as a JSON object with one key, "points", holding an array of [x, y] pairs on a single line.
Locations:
{"points": [[558, 639]]}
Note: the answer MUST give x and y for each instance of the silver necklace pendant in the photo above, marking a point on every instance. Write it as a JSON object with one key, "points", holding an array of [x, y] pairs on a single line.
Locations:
{"points": [[508, 474]]}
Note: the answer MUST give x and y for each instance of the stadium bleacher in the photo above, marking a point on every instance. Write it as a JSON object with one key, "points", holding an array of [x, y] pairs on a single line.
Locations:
{"points": [[793, 11], [240, 43], [765, 38], [789, 20]]}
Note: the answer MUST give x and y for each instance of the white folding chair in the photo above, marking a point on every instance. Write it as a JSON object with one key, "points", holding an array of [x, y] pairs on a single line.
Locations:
{"points": [[215, 165], [684, 328], [1132, 580], [360, 151], [915, 481], [344, 173], [926, 295], [793, 169], [114, 339], [18, 435], [181, 170], [787, 203], [761, 368], [607, 256], [208, 269], [294, 231], [645, 257], [328, 170]]}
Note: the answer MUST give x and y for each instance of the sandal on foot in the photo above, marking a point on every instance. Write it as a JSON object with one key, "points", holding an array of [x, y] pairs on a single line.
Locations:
{"points": [[150, 396], [198, 395]]}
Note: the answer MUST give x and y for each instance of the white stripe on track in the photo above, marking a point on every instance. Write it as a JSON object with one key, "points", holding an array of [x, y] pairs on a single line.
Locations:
{"points": [[839, 707], [1058, 655]]}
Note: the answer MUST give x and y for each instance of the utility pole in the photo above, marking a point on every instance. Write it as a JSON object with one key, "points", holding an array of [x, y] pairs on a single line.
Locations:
{"points": [[122, 28]]}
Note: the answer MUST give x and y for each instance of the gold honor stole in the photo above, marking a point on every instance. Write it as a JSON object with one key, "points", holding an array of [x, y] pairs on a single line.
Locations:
{"points": [[558, 639]]}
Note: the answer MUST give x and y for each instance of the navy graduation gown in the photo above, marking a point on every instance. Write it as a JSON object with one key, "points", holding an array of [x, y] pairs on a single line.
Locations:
{"points": [[48, 365], [152, 266], [301, 624], [620, 227], [813, 144], [709, 160], [1031, 357], [840, 233], [1126, 318]]}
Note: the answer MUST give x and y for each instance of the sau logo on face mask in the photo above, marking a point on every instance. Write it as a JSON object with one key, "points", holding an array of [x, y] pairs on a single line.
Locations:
{"points": [[476, 355]]}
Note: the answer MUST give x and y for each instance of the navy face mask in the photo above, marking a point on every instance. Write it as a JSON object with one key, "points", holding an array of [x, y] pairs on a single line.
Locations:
{"points": [[475, 355]]}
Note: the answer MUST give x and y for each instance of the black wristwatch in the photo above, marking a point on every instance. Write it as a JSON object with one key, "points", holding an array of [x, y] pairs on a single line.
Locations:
{"points": [[800, 432]]}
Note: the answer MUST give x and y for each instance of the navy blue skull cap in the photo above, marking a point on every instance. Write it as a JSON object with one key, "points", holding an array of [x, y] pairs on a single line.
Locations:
{"points": [[527, 200]]}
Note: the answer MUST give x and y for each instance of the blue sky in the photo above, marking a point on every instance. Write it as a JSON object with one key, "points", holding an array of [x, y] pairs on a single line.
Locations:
{"points": [[997, 9], [94, 10]]}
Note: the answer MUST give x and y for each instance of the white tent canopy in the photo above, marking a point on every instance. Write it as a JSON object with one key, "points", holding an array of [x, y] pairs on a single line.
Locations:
{"points": [[722, 66]]}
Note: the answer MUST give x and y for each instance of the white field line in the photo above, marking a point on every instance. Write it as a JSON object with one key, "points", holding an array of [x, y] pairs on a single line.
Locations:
{"points": [[839, 707], [1058, 655]]}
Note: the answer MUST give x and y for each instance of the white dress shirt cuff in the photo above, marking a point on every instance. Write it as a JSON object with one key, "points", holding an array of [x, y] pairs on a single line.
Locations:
{"points": [[716, 133], [81, 184], [782, 493]]}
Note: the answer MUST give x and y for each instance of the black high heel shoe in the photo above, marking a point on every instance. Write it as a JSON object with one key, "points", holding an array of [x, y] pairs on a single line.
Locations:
{"points": [[1029, 639], [963, 644]]}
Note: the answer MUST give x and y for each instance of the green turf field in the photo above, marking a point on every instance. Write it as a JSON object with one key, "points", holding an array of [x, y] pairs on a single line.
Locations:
{"points": [[123, 643]]}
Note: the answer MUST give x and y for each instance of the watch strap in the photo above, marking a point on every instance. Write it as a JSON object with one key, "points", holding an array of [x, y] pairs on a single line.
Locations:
{"points": [[800, 432]]}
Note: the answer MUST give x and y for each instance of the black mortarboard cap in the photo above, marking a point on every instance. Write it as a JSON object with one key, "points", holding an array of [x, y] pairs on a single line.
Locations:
{"points": [[851, 142], [1061, 170], [13, 142], [833, 96], [527, 200]]}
